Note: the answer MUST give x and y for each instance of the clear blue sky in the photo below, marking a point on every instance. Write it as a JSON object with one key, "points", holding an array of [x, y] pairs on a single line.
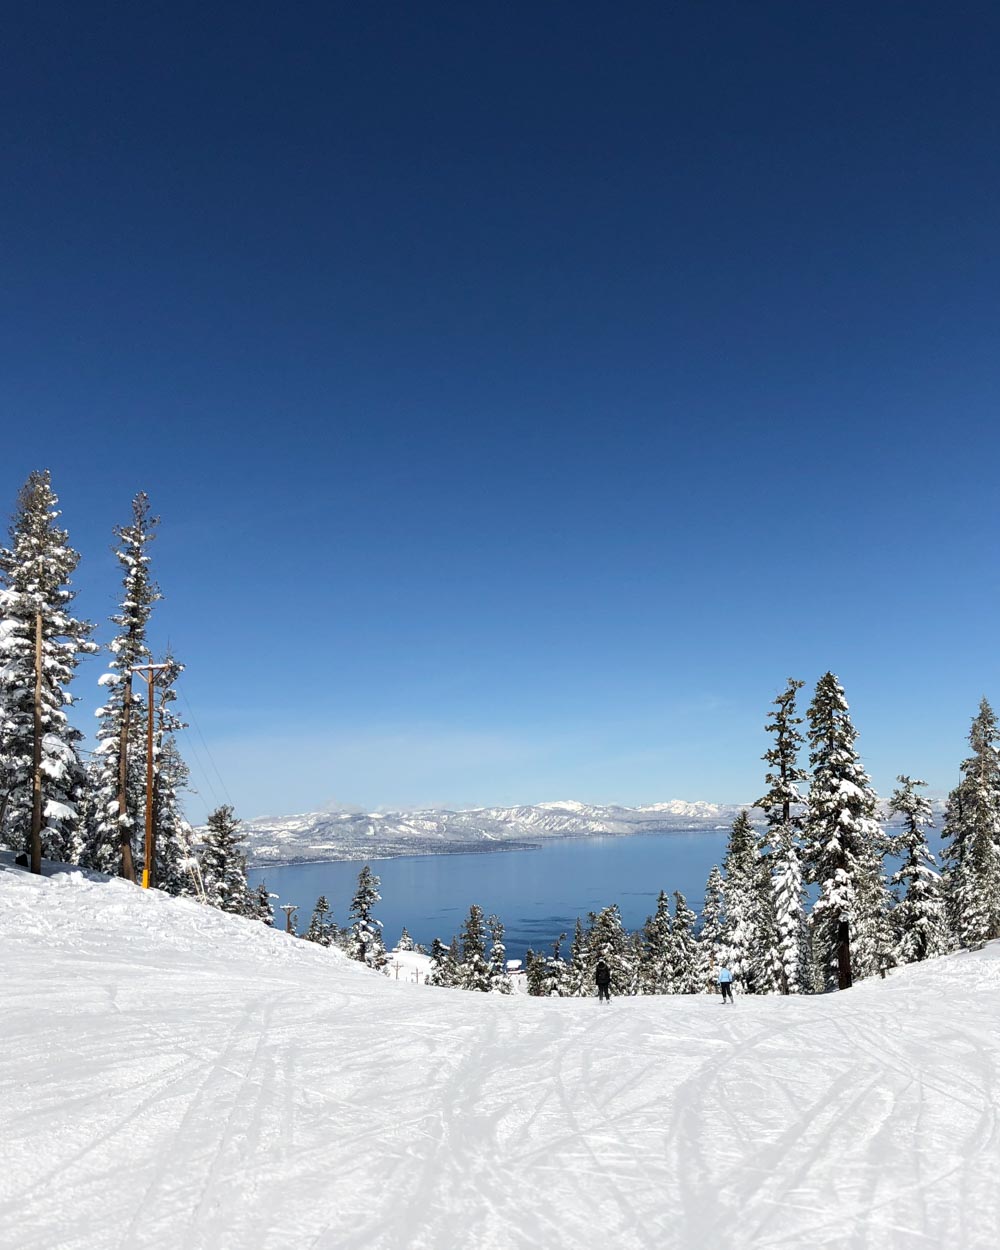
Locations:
{"points": [[526, 390]]}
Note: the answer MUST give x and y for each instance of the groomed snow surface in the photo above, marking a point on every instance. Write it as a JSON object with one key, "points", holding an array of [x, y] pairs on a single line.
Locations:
{"points": [[172, 1077]]}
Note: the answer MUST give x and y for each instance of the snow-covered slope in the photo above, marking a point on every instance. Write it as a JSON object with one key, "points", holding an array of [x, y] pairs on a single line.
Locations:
{"points": [[174, 1078], [361, 835]]}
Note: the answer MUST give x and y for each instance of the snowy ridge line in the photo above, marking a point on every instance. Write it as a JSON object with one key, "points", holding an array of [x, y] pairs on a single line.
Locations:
{"points": [[351, 835], [252, 1089]]}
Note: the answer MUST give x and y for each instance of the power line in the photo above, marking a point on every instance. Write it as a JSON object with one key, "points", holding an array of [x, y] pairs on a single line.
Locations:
{"points": [[208, 752]]}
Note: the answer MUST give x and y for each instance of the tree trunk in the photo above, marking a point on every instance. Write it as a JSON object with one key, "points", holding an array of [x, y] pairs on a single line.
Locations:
{"points": [[844, 981]]}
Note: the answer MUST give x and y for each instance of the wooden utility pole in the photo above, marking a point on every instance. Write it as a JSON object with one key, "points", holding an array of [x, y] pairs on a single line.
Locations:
{"points": [[36, 760], [289, 909], [124, 829], [148, 673]]}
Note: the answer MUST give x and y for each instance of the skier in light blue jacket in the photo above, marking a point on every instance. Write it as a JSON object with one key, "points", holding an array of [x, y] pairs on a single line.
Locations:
{"points": [[726, 984]]}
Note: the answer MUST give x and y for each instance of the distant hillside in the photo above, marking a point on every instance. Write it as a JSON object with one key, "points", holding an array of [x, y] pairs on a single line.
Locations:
{"points": [[361, 835]]}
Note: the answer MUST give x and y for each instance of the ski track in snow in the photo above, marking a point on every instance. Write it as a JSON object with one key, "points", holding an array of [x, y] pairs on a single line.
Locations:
{"points": [[177, 1079]]}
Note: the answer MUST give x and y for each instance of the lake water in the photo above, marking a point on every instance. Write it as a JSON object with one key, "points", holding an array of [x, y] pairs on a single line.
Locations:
{"points": [[538, 894]]}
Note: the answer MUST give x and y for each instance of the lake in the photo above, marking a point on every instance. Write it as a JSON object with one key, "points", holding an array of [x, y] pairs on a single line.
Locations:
{"points": [[538, 894]]}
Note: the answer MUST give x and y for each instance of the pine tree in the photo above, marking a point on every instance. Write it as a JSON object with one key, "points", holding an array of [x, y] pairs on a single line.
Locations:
{"points": [[844, 846], [263, 911], [711, 934], [973, 832], [224, 865], [35, 573], [782, 879], [685, 956], [474, 971], [365, 942], [608, 940], [499, 981], [442, 969], [322, 927], [657, 966], [111, 845], [919, 917], [576, 983], [536, 973], [174, 836], [405, 942], [743, 932], [557, 980]]}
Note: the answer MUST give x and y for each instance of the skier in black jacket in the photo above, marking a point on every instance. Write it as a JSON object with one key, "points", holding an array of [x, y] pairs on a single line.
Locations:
{"points": [[602, 976]]}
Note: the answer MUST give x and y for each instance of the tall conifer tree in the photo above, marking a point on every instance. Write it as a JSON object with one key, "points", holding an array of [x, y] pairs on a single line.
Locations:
{"points": [[365, 943], [919, 917], [112, 845], [973, 832], [35, 573], [844, 846], [782, 805]]}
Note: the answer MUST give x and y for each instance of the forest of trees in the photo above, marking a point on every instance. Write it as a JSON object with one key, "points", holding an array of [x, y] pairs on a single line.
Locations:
{"points": [[807, 900]]}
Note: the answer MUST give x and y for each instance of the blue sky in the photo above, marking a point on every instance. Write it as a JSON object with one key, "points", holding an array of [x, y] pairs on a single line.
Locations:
{"points": [[526, 392]]}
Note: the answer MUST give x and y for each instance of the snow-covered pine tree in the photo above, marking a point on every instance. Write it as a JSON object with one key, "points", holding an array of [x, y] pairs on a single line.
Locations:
{"points": [[35, 573], [536, 973], [782, 805], [405, 942], [474, 971], [711, 945], [365, 942], [576, 984], [557, 970], [656, 973], [919, 917], [743, 932], [499, 981], [111, 845], [442, 971], [224, 865], [263, 911], [844, 846], [972, 830], [685, 956], [174, 836], [608, 940], [322, 927]]}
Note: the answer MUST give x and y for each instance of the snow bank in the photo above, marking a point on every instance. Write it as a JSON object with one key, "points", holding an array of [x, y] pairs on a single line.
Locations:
{"points": [[174, 1078]]}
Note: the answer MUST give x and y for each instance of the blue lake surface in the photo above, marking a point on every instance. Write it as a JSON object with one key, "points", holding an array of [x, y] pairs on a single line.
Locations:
{"points": [[538, 894]]}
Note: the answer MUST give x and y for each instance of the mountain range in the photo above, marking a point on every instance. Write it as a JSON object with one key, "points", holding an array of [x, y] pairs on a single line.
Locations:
{"points": [[353, 835]]}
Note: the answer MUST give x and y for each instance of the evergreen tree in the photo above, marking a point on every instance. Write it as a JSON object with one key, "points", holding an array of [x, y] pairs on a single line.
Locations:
{"points": [[657, 967], [174, 836], [608, 940], [973, 832], [711, 936], [844, 846], [685, 956], [499, 981], [263, 911], [474, 971], [536, 973], [743, 932], [786, 934], [556, 970], [919, 917], [365, 942], [224, 864], [405, 942], [111, 845], [322, 927], [442, 970], [576, 981], [35, 573]]}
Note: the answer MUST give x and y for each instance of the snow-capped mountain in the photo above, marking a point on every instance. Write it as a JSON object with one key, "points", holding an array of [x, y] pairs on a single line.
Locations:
{"points": [[360, 835]]}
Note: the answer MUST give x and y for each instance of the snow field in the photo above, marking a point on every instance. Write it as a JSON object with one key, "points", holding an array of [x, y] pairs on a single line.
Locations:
{"points": [[173, 1077]]}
